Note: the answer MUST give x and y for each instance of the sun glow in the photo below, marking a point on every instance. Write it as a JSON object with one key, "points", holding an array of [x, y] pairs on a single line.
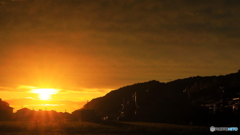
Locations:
{"points": [[45, 93]]}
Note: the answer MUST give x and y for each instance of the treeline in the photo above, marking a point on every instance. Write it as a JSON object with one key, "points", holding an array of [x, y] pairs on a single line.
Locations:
{"points": [[25, 114], [40, 115]]}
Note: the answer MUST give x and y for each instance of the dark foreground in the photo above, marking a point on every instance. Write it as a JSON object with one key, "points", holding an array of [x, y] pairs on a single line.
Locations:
{"points": [[102, 128]]}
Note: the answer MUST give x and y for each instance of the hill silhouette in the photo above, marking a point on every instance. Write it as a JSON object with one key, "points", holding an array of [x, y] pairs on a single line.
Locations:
{"points": [[180, 101]]}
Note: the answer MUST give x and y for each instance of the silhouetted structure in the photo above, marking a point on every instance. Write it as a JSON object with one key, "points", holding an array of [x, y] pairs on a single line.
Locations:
{"points": [[86, 115], [5, 110], [26, 114], [129, 108], [89, 115]]}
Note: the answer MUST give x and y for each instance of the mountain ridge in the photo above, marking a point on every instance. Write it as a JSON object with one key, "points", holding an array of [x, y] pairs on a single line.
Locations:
{"points": [[157, 101]]}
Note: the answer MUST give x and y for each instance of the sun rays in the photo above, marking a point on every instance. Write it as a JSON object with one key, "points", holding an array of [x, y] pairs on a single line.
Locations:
{"points": [[45, 93]]}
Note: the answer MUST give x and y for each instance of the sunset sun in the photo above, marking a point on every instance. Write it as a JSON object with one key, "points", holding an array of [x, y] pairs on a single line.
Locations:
{"points": [[45, 93]]}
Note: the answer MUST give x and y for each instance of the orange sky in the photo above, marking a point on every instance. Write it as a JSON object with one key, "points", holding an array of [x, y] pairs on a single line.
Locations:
{"points": [[85, 49]]}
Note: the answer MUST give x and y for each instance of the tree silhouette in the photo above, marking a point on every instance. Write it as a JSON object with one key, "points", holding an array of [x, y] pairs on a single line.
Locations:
{"points": [[5, 110]]}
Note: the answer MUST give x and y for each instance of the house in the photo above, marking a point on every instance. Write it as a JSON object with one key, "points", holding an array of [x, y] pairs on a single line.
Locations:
{"points": [[5, 110]]}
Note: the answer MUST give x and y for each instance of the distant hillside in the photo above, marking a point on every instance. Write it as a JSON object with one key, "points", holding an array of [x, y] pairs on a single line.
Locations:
{"points": [[166, 102]]}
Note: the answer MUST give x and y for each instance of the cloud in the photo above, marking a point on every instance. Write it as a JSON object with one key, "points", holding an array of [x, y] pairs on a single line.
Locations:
{"points": [[24, 87], [89, 90], [59, 105], [114, 43], [20, 88], [121, 16], [6, 89], [127, 17]]}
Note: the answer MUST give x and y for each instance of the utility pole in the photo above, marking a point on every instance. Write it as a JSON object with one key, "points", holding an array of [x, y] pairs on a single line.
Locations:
{"points": [[87, 104]]}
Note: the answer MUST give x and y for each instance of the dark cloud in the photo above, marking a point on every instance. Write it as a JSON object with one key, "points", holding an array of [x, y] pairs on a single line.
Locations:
{"points": [[116, 15]]}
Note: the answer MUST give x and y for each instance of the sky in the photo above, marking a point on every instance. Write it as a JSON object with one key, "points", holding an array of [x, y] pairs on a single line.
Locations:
{"points": [[86, 48]]}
